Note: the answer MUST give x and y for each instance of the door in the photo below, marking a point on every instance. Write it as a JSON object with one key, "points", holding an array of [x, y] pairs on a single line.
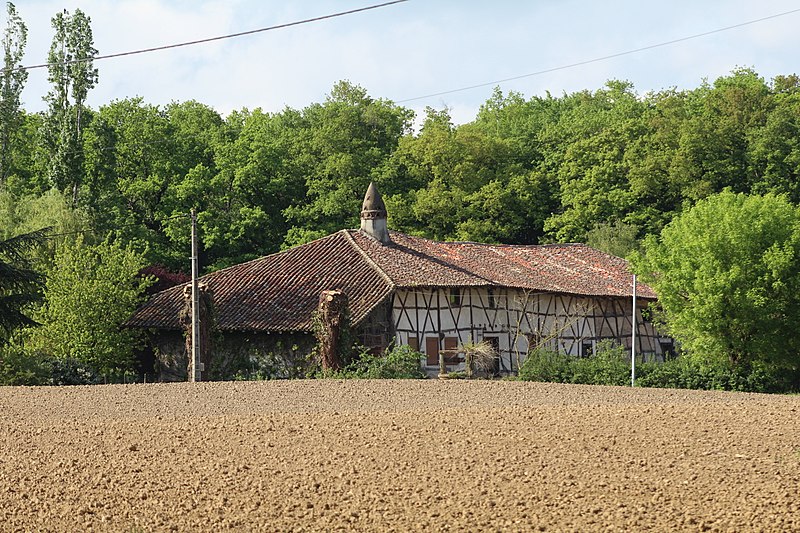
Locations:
{"points": [[494, 342]]}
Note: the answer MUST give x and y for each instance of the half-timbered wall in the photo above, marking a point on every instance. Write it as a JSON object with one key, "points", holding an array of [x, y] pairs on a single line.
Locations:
{"points": [[514, 320]]}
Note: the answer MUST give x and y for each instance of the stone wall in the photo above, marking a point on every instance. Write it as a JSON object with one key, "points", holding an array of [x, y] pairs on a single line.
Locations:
{"points": [[236, 355]]}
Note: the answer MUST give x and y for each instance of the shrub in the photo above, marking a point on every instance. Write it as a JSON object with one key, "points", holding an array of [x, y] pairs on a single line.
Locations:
{"points": [[610, 365], [399, 362], [71, 371], [17, 367], [687, 373], [543, 364]]}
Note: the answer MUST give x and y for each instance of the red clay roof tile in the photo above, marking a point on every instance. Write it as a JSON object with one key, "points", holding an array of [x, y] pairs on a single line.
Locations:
{"points": [[279, 292]]}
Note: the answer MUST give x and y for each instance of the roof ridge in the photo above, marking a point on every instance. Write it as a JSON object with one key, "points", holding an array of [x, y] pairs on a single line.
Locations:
{"points": [[368, 259], [498, 245]]}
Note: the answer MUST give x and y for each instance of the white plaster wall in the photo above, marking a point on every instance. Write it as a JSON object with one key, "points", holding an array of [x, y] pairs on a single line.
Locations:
{"points": [[562, 322]]}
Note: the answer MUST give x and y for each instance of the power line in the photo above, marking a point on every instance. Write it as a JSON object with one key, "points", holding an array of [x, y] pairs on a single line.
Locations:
{"points": [[52, 236], [602, 58], [210, 39]]}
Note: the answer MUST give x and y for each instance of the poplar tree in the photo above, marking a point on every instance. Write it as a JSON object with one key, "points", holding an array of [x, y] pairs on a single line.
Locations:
{"points": [[13, 80], [72, 74]]}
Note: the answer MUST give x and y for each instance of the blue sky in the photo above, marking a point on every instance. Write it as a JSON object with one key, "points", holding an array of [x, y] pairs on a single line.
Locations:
{"points": [[411, 49]]}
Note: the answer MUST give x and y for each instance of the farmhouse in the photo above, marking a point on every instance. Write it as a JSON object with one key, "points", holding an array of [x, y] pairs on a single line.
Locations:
{"points": [[433, 296]]}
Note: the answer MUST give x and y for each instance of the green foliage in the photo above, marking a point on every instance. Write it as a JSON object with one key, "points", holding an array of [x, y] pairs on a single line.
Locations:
{"points": [[20, 367], [609, 166], [727, 273], [618, 239], [19, 284], [12, 81], [688, 373], [24, 366], [72, 74], [546, 365], [71, 371], [609, 365], [398, 362], [27, 213], [89, 293], [255, 364], [338, 149]]}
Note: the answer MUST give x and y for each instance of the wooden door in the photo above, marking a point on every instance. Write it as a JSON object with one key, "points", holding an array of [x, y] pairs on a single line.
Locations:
{"points": [[432, 350]]}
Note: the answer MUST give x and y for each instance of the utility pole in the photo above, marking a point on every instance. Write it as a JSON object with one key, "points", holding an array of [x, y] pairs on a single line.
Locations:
{"points": [[633, 336], [194, 375]]}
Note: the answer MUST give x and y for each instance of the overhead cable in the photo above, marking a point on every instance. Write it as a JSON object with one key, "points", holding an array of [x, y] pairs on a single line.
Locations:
{"points": [[602, 58], [210, 39]]}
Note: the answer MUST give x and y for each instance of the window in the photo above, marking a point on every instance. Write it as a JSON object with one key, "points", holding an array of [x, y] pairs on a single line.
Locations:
{"points": [[667, 349], [455, 297], [587, 349], [492, 299], [432, 351]]}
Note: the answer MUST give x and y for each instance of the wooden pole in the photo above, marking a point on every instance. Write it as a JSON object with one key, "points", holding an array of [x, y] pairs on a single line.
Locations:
{"points": [[633, 336], [194, 375]]}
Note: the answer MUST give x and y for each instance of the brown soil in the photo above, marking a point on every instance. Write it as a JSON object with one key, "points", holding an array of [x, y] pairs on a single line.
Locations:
{"points": [[396, 456]]}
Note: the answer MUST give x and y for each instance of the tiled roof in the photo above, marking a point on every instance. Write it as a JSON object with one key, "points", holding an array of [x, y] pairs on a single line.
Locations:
{"points": [[279, 292], [566, 268]]}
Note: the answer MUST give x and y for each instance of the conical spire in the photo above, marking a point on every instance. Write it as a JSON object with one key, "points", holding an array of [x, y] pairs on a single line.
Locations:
{"points": [[373, 215], [373, 206]]}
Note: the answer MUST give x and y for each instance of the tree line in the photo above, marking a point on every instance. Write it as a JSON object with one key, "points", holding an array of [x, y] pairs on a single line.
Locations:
{"points": [[612, 167]]}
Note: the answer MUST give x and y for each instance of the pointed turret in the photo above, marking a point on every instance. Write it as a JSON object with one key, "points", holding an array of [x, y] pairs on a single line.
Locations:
{"points": [[373, 216]]}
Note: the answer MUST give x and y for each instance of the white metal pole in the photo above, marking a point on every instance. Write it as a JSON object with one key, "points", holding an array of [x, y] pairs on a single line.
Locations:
{"points": [[633, 336], [195, 366]]}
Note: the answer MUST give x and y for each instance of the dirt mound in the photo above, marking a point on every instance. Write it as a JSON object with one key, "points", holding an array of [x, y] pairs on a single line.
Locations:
{"points": [[396, 456]]}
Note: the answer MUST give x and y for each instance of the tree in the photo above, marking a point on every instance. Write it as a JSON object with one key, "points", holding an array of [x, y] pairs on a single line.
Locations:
{"points": [[12, 81], [727, 275], [21, 214], [618, 239], [339, 148], [89, 293], [71, 72], [19, 285]]}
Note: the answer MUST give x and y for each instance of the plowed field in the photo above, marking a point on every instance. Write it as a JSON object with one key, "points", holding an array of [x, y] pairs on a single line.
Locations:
{"points": [[396, 456]]}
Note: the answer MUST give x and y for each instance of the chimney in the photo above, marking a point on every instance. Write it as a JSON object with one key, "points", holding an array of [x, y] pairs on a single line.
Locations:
{"points": [[373, 216]]}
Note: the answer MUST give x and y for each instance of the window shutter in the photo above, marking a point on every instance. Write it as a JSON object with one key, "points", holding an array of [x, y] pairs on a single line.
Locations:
{"points": [[432, 350], [413, 343]]}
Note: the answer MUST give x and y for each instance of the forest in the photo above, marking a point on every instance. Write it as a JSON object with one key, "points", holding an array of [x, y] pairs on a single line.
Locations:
{"points": [[90, 197]]}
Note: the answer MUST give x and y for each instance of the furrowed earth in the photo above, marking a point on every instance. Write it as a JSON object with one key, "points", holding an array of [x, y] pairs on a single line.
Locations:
{"points": [[396, 456]]}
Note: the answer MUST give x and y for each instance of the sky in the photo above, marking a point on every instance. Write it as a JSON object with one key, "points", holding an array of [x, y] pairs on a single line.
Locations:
{"points": [[410, 50]]}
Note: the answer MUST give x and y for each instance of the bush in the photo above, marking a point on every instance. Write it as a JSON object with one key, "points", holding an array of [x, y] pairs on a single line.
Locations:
{"points": [[21, 367], [71, 371], [17, 367], [687, 373], [610, 365], [547, 365], [399, 362]]}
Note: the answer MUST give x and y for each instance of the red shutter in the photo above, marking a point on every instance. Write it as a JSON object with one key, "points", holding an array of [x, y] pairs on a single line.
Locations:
{"points": [[432, 350]]}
